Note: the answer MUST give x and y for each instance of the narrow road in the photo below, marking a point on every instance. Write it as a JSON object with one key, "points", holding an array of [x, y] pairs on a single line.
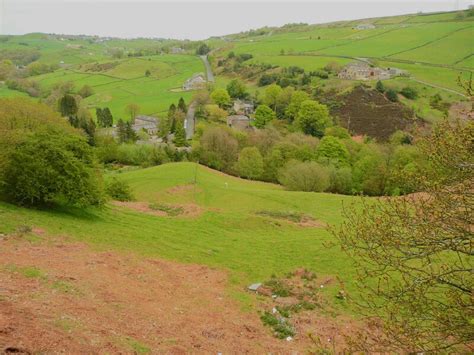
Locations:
{"points": [[210, 76], [189, 122]]}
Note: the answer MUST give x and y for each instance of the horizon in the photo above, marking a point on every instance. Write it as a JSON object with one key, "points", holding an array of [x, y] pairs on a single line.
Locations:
{"points": [[202, 20]]}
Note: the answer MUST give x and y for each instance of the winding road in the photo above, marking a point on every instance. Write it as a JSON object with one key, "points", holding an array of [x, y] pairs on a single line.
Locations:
{"points": [[190, 120], [209, 74]]}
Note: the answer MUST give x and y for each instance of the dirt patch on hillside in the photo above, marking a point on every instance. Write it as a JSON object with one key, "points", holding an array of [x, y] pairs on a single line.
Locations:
{"points": [[140, 207], [190, 210], [368, 112], [82, 301], [183, 189], [296, 218]]}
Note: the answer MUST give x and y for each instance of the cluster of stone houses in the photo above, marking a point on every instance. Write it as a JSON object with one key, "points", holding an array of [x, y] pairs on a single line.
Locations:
{"points": [[363, 71], [148, 124], [240, 120]]}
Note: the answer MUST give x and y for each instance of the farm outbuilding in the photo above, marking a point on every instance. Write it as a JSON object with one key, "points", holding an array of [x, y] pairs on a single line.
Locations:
{"points": [[196, 82], [146, 123]]}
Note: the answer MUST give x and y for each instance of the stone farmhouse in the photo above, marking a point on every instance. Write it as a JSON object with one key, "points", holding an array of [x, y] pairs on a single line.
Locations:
{"points": [[243, 107], [363, 71], [146, 123], [196, 82], [239, 122]]}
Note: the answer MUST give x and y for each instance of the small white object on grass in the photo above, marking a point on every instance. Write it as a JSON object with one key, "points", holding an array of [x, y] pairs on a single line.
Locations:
{"points": [[289, 339]]}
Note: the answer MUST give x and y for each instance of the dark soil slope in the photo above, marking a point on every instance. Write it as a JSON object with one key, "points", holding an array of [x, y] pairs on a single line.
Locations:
{"points": [[368, 112]]}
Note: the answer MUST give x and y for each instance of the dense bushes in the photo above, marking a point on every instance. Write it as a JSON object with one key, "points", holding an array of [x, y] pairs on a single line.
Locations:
{"points": [[119, 190], [304, 176]]}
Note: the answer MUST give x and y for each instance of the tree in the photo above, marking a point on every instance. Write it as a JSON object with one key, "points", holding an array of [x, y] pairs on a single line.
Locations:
{"points": [[86, 123], [164, 127], [147, 73], [337, 131], [263, 115], [392, 95], [215, 113], [250, 163], [331, 151], [203, 49], [304, 176], [132, 110], [270, 96], [86, 91], [313, 118], [221, 97], [68, 106], [50, 166], [219, 149], [100, 117], [293, 108], [125, 132], [236, 89], [172, 118], [409, 92], [180, 134], [414, 255], [108, 119], [380, 87], [182, 105]]}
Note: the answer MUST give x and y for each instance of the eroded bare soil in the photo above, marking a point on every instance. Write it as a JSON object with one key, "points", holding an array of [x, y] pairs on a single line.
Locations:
{"points": [[58, 296]]}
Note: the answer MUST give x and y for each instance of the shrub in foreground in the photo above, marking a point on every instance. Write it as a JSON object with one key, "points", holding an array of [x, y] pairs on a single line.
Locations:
{"points": [[51, 165]]}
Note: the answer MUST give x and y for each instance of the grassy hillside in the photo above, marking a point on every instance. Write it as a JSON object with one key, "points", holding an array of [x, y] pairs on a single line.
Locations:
{"points": [[422, 44], [228, 234]]}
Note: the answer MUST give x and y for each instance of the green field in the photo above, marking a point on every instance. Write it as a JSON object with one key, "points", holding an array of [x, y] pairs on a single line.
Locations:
{"points": [[433, 48], [228, 234], [127, 83]]}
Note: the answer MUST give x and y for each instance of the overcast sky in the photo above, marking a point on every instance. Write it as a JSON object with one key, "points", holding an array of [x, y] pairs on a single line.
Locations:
{"points": [[192, 19]]}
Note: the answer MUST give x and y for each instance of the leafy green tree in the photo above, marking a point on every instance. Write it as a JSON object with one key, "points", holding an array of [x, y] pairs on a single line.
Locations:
{"points": [[236, 89], [313, 118], [270, 96], [263, 115], [304, 176], [203, 49], [370, 171], [331, 151], [414, 254], [294, 106], [148, 73], [250, 163], [338, 132], [51, 166], [340, 180], [132, 110], [274, 161], [221, 97], [86, 91], [218, 149], [380, 87]]}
